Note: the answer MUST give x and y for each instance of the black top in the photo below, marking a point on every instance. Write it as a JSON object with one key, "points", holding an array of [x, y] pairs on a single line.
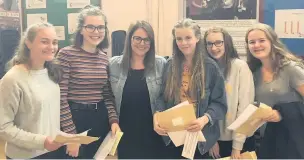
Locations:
{"points": [[136, 121]]}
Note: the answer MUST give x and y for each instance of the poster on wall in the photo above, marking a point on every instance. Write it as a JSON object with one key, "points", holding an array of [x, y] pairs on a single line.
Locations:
{"points": [[9, 14], [60, 32], [72, 22], [291, 27], [236, 16], [36, 18], [35, 4], [77, 3]]}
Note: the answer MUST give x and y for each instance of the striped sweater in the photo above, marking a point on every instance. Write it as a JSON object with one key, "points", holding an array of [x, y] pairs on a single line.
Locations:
{"points": [[84, 80]]}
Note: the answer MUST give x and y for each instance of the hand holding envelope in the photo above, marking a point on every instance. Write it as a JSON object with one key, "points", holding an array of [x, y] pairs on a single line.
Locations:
{"points": [[176, 118], [176, 121], [251, 119]]}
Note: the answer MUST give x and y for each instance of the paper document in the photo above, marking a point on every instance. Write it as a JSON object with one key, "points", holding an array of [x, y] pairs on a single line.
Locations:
{"points": [[60, 32], [176, 119], [191, 140], [77, 3], [245, 155], [179, 105], [72, 22], [108, 146], [178, 137], [81, 138], [36, 18], [34, 4], [115, 145], [251, 119]]}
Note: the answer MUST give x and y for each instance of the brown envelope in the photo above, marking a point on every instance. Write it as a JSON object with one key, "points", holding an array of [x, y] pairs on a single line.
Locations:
{"points": [[249, 155], [75, 139], [176, 119], [245, 155], [254, 121], [2, 149]]}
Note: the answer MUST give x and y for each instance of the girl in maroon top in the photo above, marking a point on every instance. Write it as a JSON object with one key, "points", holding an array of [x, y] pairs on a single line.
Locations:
{"points": [[87, 101]]}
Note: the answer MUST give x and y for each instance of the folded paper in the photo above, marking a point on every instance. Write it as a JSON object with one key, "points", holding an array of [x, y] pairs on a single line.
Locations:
{"points": [[108, 146], [250, 119], [81, 138]]}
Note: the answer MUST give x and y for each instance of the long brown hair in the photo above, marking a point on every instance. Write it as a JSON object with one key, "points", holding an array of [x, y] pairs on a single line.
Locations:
{"points": [[22, 55], [230, 51], [197, 81], [149, 60], [279, 54]]}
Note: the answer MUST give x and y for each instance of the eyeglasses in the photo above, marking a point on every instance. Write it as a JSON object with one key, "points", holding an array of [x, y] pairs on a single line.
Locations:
{"points": [[91, 28], [216, 44], [138, 40]]}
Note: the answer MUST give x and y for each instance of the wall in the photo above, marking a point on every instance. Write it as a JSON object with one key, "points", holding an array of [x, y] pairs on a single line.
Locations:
{"points": [[162, 14]]}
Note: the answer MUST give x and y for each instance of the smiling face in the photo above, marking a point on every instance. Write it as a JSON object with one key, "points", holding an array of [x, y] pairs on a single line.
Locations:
{"points": [[44, 46], [140, 43], [186, 40], [93, 31], [215, 44], [259, 45]]}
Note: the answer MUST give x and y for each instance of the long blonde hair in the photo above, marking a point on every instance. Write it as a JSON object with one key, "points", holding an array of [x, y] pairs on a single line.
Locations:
{"points": [[22, 55], [279, 55], [197, 80]]}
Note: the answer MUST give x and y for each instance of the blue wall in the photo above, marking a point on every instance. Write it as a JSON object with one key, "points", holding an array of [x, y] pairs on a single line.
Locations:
{"points": [[294, 45]]}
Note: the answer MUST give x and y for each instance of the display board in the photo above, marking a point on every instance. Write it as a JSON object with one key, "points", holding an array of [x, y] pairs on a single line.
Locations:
{"points": [[61, 13]]}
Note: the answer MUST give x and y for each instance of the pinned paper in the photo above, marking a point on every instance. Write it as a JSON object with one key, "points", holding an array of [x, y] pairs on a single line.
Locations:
{"points": [[35, 4], [36, 18], [60, 32], [77, 3], [72, 22]]}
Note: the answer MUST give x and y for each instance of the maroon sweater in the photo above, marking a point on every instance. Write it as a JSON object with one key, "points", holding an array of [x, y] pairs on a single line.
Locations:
{"points": [[85, 80]]}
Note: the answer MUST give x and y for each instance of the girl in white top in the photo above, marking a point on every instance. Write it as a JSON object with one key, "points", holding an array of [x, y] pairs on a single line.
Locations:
{"points": [[239, 92], [30, 97]]}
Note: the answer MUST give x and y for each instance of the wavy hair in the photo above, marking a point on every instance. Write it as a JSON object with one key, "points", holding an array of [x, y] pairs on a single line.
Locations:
{"points": [[279, 54], [197, 80]]}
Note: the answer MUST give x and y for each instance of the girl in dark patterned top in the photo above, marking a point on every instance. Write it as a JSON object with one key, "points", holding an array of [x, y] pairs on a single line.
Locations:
{"points": [[87, 101]]}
